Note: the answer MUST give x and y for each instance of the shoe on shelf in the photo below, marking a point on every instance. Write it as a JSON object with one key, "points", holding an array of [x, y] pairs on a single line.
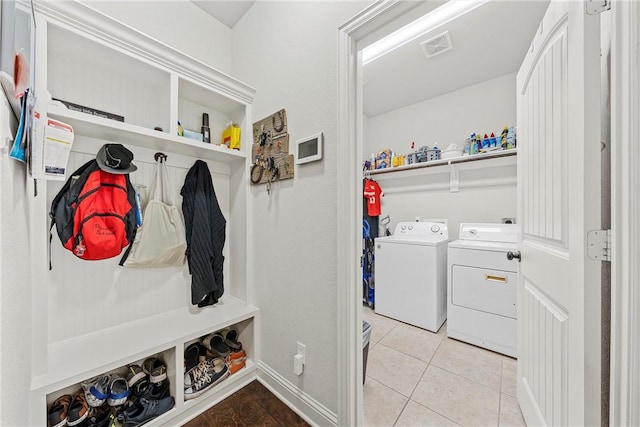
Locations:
{"points": [[192, 355], [137, 380], [156, 391], [215, 344], [118, 392], [144, 410], [231, 339], [155, 368], [99, 417], [57, 414], [204, 353], [78, 409], [236, 366], [236, 361], [135, 374], [204, 376], [96, 390], [237, 356]]}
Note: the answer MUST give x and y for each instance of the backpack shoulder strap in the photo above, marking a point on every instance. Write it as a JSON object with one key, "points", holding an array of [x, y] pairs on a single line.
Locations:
{"points": [[131, 222], [77, 179]]}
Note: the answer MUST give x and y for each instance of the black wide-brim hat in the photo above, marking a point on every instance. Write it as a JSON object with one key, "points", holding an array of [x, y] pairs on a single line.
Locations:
{"points": [[115, 158]]}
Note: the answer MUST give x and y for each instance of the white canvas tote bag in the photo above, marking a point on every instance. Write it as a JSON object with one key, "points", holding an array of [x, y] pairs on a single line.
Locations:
{"points": [[161, 240]]}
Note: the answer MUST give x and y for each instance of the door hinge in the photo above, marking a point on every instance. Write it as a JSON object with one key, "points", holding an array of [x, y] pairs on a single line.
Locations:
{"points": [[599, 245], [595, 7]]}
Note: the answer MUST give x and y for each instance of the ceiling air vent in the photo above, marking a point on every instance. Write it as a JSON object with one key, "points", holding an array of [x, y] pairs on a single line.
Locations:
{"points": [[436, 45]]}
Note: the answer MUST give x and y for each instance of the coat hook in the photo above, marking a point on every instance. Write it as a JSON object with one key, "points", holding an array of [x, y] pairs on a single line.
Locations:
{"points": [[161, 156]]}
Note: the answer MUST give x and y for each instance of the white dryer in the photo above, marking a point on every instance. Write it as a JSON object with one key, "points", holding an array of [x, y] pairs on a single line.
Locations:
{"points": [[411, 274], [482, 285]]}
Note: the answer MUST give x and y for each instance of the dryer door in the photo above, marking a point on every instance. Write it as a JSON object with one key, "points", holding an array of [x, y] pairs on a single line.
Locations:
{"points": [[491, 291]]}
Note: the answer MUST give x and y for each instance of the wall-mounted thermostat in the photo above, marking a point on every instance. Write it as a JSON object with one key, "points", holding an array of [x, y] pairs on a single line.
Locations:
{"points": [[309, 149]]}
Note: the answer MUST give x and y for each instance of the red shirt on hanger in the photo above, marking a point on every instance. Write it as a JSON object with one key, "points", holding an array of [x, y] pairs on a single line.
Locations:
{"points": [[373, 192]]}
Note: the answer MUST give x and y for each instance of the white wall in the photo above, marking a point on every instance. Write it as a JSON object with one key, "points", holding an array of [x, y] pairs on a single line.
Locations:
{"points": [[487, 193], [485, 107], [15, 280], [178, 23], [288, 52]]}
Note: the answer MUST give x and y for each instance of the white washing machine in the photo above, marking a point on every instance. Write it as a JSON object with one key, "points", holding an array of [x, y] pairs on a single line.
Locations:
{"points": [[411, 274], [482, 285]]}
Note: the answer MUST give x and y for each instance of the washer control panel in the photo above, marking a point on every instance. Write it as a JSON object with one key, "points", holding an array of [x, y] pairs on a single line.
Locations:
{"points": [[424, 228]]}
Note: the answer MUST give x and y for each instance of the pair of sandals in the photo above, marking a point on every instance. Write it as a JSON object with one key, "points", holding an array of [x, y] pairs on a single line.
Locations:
{"points": [[218, 344], [222, 343], [112, 390]]}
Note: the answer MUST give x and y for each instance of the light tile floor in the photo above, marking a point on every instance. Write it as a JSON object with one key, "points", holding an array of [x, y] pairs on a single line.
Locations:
{"points": [[418, 378]]}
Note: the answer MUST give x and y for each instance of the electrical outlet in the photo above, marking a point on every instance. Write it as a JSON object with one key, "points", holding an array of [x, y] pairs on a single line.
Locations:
{"points": [[299, 359], [302, 350]]}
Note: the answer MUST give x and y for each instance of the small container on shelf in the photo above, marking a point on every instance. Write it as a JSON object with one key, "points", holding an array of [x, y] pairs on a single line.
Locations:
{"points": [[206, 132], [192, 134], [231, 136]]}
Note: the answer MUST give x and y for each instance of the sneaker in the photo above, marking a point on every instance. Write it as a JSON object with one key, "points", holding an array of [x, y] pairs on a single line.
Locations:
{"points": [[145, 410], [156, 391], [215, 343], [57, 414], [156, 369], [100, 417], [204, 376], [237, 356], [236, 366], [96, 390], [78, 409], [118, 392], [236, 361]]}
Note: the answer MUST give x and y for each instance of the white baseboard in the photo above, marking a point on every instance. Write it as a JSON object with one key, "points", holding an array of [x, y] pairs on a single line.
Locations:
{"points": [[301, 403]]}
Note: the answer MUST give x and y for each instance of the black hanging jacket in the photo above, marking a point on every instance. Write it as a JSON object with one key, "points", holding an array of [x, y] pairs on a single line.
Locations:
{"points": [[205, 229]]}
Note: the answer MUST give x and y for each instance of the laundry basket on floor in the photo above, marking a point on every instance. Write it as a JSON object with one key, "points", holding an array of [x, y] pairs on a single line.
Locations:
{"points": [[366, 337]]}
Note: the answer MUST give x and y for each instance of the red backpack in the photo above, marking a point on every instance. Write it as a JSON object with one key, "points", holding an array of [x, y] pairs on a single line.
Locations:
{"points": [[95, 213]]}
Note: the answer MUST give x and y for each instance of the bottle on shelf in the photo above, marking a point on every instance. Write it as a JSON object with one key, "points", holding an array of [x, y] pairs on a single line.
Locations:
{"points": [[206, 132]]}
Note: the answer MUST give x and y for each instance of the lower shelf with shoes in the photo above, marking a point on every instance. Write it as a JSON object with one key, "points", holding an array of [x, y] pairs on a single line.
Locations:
{"points": [[128, 396], [166, 387], [213, 358]]}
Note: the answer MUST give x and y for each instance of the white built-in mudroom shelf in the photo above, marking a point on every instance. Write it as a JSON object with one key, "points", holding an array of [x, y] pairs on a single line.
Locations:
{"points": [[95, 317], [110, 130]]}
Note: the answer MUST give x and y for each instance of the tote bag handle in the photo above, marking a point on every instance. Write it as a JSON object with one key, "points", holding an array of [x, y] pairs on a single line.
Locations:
{"points": [[160, 186]]}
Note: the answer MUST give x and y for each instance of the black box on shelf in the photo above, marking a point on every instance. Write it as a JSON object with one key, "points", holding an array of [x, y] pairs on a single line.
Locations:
{"points": [[89, 110]]}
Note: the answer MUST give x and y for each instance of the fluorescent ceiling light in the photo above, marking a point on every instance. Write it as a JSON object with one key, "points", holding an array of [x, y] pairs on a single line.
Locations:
{"points": [[436, 18]]}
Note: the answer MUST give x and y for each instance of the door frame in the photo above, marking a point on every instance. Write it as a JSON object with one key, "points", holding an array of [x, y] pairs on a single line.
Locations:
{"points": [[377, 20], [625, 206], [365, 28]]}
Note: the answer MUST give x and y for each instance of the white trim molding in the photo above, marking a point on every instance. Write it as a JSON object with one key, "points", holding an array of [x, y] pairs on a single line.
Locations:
{"points": [[82, 18], [300, 402], [625, 184], [352, 36]]}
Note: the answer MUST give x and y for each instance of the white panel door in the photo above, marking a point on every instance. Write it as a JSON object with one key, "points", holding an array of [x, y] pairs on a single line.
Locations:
{"points": [[558, 202]]}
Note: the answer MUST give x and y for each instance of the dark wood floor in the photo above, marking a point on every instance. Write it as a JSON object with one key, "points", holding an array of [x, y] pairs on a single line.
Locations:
{"points": [[252, 405]]}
